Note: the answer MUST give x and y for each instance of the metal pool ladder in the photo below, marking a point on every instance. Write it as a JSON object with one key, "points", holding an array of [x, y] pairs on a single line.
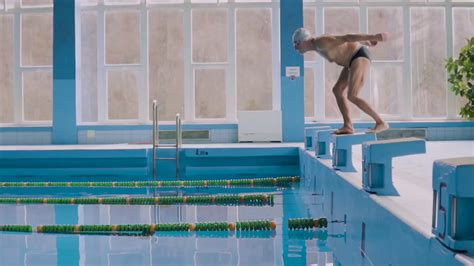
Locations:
{"points": [[156, 142]]}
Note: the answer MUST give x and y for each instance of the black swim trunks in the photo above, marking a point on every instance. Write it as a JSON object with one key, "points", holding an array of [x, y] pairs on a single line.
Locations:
{"points": [[362, 52]]}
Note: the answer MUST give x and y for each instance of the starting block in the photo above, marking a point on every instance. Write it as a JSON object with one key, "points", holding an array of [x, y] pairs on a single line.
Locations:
{"points": [[342, 149], [322, 143], [377, 162], [453, 203], [310, 136]]}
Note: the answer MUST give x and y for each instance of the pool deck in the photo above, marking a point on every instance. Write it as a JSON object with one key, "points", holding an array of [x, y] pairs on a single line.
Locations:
{"points": [[412, 177]]}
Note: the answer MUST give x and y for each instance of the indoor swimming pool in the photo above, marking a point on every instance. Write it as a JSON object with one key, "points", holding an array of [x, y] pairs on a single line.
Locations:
{"points": [[363, 228], [164, 248]]}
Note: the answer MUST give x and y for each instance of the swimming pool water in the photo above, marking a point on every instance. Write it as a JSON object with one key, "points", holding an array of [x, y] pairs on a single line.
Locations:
{"points": [[282, 247]]}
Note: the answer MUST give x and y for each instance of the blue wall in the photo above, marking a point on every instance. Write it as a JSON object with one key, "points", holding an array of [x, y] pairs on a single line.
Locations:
{"points": [[292, 91], [64, 73]]}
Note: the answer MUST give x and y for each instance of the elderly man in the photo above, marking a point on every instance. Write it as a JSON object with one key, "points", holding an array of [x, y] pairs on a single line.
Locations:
{"points": [[349, 51]]}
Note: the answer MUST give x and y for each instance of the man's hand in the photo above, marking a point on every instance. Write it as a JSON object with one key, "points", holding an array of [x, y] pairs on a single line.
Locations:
{"points": [[381, 37]]}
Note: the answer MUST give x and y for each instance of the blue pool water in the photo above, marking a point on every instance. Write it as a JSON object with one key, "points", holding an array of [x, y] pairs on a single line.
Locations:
{"points": [[282, 247]]}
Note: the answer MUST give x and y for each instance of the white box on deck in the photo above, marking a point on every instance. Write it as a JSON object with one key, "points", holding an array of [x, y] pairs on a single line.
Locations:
{"points": [[259, 126]]}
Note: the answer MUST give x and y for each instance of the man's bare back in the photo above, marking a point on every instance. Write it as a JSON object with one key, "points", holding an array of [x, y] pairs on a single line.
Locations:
{"points": [[340, 54]]}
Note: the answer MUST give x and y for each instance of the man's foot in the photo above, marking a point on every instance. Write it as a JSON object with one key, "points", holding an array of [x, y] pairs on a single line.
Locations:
{"points": [[379, 127], [344, 130]]}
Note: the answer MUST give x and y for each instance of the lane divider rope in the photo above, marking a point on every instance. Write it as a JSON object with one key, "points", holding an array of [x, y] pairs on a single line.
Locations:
{"points": [[277, 181], [253, 199], [149, 229]]}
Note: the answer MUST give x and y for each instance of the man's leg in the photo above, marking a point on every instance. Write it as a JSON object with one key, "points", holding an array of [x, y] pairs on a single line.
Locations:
{"points": [[341, 99], [357, 76]]}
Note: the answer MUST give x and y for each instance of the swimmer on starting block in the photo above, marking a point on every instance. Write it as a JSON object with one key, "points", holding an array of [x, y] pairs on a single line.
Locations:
{"points": [[349, 51]]}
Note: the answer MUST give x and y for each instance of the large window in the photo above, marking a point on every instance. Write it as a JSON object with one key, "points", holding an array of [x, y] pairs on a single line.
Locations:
{"points": [[204, 59], [26, 55], [209, 59], [7, 70]]}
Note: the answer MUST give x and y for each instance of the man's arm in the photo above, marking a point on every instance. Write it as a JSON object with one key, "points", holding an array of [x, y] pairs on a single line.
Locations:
{"points": [[326, 42], [364, 37]]}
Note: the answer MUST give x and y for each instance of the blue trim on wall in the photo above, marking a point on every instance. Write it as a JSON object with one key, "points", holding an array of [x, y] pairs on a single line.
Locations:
{"points": [[292, 91], [64, 73]]}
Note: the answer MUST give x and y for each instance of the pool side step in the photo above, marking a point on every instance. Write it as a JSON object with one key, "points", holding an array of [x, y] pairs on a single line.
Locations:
{"points": [[310, 135], [453, 203], [377, 162], [322, 143], [342, 149]]}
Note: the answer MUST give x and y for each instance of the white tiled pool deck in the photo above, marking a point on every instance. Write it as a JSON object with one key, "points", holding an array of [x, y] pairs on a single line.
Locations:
{"points": [[412, 177]]}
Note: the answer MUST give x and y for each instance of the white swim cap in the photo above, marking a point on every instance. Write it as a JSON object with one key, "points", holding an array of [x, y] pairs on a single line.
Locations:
{"points": [[301, 35]]}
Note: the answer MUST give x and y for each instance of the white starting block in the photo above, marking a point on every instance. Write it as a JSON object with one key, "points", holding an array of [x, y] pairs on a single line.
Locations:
{"points": [[310, 136], [453, 203], [342, 149], [322, 143], [377, 162]]}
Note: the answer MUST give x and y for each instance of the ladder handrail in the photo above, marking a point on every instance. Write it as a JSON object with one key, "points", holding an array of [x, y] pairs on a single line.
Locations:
{"points": [[155, 132], [156, 140], [178, 144]]}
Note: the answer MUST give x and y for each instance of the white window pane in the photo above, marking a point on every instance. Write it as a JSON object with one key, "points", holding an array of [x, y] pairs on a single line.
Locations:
{"points": [[121, 2], [7, 69], [389, 19], [310, 24], [253, 1], [210, 93], [88, 2], [203, 1], [9, 4], [122, 37], [38, 95], [254, 59], [164, 1], [89, 66], [122, 88], [338, 21], [463, 19], [428, 40], [36, 3], [464, 1], [210, 35], [351, 1], [309, 92], [386, 86], [37, 39], [1, 6], [166, 62]]}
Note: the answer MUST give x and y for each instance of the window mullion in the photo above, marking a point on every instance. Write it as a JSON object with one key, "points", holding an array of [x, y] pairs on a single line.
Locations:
{"points": [[102, 103], [189, 108], [18, 83]]}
